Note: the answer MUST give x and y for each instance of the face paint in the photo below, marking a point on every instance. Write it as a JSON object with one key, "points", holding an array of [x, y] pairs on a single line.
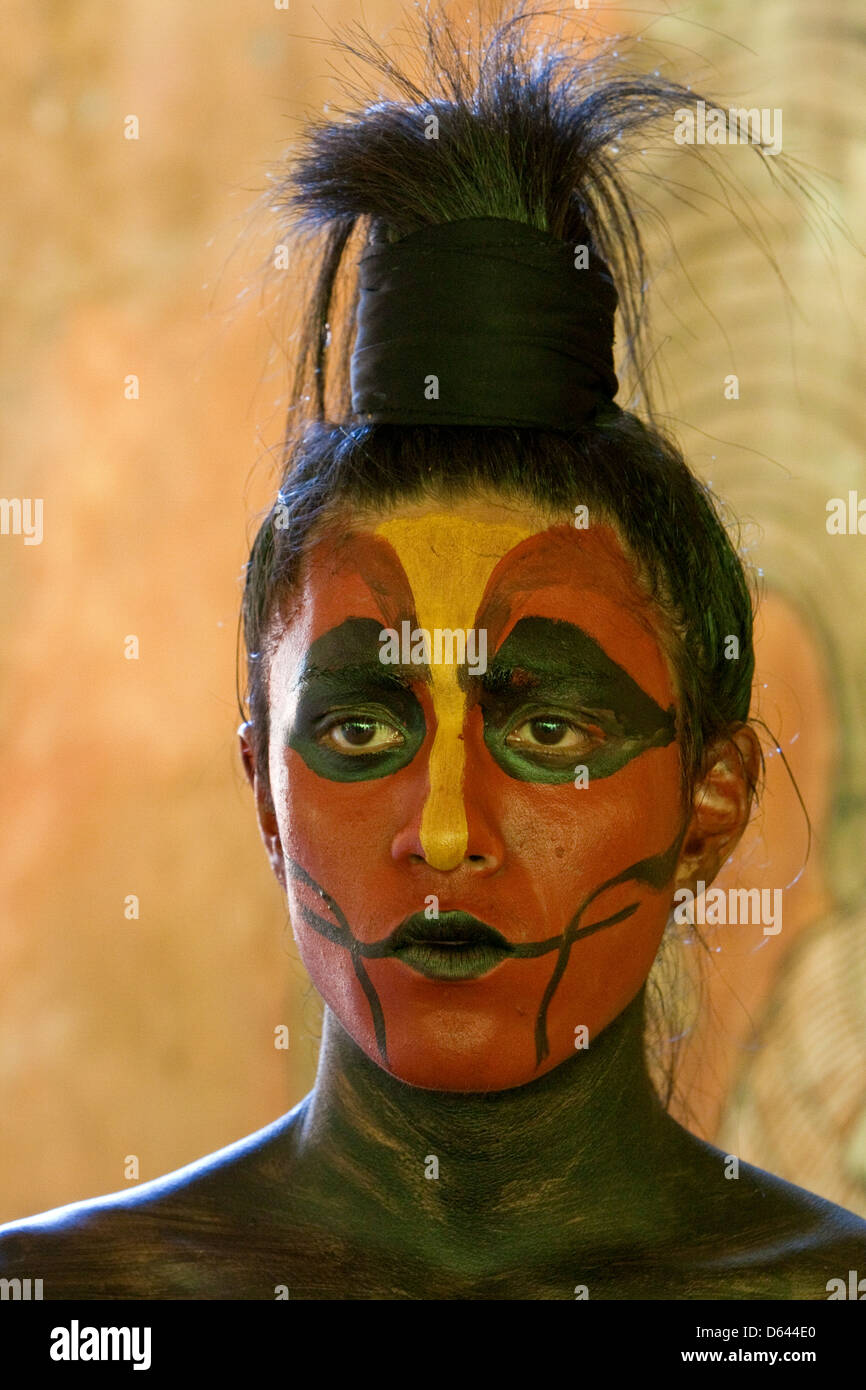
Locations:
{"points": [[545, 673], [356, 718], [549, 916], [447, 571]]}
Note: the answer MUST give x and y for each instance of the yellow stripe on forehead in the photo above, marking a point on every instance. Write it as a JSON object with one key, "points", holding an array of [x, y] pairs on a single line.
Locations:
{"points": [[448, 561]]}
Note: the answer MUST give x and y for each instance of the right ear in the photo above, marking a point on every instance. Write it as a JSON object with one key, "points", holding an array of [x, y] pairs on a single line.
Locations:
{"points": [[265, 812]]}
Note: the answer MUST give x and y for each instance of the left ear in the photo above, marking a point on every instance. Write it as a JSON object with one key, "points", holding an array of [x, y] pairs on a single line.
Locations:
{"points": [[265, 813], [721, 806]]}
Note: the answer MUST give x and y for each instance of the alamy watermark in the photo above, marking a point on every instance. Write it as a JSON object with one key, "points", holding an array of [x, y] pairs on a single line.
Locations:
{"points": [[443, 646], [21, 1290], [77, 1343], [739, 125], [846, 516], [720, 907], [854, 1287], [22, 516]]}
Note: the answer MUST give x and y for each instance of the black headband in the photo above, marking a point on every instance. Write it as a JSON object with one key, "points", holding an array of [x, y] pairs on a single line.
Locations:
{"points": [[484, 321]]}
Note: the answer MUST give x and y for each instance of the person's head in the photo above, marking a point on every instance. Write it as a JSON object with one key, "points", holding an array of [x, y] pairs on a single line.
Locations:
{"points": [[499, 677]]}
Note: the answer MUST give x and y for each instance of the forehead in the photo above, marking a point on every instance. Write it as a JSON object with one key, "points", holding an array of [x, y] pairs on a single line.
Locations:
{"points": [[481, 565]]}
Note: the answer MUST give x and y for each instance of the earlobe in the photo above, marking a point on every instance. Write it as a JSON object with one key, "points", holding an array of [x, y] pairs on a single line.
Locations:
{"points": [[265, 813], [721, 806], [246, 751]]}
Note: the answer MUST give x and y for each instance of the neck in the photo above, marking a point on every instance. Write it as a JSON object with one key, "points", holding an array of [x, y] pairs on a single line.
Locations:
{"points": [[587, 1141]]}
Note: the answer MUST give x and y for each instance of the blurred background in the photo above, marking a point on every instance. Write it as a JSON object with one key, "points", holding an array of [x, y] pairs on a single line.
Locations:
{"points": [[147, 966]]}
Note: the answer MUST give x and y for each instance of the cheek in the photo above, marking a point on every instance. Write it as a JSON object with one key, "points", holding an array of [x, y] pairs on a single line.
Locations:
{"points": [[343, 834], [633, 816], [604, 973], [568, 847], [568, 841], [325, 821]]}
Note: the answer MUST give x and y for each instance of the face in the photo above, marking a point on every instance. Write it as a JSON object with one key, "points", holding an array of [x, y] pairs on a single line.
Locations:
{"points": [[479, 854]]}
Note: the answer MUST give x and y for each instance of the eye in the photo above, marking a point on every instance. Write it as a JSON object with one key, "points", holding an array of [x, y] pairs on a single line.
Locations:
{"points": [[361, 734], [552, 733]]}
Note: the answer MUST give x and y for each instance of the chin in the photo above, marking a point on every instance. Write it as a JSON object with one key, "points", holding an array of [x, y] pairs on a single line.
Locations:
{"points": [[460, 1062]]}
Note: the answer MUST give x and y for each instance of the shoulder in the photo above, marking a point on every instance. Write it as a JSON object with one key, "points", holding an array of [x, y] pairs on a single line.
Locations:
{"points": [[178, 1236], [766, 1237]]}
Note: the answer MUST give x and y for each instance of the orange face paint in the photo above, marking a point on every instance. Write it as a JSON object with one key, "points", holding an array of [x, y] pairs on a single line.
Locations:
{"points": [[410, 789]]}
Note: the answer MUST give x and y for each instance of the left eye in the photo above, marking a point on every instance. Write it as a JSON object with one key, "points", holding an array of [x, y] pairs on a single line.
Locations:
{"points": [[359, 735], [552, 732]]}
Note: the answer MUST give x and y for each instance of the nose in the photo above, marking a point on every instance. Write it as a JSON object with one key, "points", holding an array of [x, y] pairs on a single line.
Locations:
{"points": [[456, 824]]}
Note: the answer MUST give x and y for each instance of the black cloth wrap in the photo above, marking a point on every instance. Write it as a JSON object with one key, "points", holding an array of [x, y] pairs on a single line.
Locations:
{"points": [[498, 311]]}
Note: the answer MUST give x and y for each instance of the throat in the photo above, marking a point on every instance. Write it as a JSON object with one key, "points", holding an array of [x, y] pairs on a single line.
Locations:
{"points": [[582, 1144]]}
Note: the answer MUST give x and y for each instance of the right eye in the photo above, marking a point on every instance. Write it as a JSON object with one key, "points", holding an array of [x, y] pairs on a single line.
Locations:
{"points": [[361, 734]]}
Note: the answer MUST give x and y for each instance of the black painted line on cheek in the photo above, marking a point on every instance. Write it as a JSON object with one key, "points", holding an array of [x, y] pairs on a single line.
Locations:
{"points": [[375, 1005], [352, 945], [656, 871], [297, 871], [324, 927]]}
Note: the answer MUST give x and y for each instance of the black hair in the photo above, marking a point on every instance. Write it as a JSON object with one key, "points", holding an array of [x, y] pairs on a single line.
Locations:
{"points": [[532, 132]]}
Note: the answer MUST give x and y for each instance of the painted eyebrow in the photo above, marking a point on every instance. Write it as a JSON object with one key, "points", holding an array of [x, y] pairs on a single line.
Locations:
{"points": [[367, 672], [558, 656], [349, 654], [503, 676], [513, 683]]}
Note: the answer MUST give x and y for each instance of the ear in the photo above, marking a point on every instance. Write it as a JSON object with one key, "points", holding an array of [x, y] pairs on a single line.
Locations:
{"points": [[265, 812], [721, 806]]}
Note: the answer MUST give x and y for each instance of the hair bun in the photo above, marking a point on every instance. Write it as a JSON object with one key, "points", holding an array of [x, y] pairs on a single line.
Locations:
{"points": [[520, 131]]}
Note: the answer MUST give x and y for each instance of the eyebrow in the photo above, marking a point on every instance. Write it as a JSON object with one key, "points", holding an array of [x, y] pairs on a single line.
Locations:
{"points": [[361, 672], [502, 675], [349, 654], [526, 660], [559, 656]]}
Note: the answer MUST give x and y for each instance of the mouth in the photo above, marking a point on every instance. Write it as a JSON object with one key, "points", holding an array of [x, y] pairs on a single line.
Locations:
{"points": [[452, 946]]}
